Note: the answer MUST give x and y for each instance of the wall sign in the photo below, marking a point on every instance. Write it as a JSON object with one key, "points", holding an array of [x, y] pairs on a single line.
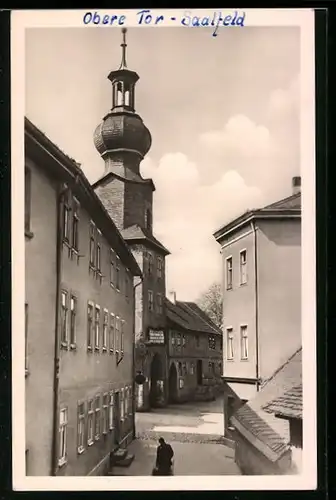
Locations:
{"points": [[156, 337]]}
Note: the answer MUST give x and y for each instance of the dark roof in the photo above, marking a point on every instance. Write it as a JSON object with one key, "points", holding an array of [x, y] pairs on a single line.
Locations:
{"points": [[271, 433], [129, 176], [289, 405], [47, 155], [189, 316], [289, 207], [136, 234]]}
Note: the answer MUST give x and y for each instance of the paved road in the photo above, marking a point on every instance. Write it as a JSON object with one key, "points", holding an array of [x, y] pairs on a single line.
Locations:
{"points": [[194, 431]]}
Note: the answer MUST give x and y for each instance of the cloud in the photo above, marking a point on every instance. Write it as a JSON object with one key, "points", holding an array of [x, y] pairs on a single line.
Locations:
{"points": [[186, 213], [239, 134]]}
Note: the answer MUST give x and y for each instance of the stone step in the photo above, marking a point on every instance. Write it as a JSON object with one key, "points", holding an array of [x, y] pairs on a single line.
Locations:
{"points": [[125, 462], [118, 455]]}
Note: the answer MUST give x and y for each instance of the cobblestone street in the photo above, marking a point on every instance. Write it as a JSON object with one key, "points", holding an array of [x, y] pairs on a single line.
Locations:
{"points": [[194, 430]]}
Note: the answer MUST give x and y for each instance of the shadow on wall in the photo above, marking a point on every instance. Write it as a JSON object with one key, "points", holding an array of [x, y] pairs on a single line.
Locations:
{"points": [[279, 233]]}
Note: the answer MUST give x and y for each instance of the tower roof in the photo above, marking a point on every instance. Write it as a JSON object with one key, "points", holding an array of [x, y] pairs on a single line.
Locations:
{"points": [[122, 130]]}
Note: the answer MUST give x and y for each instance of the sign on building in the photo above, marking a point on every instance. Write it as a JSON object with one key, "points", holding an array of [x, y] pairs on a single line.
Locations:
{"points": [[156, 337]]}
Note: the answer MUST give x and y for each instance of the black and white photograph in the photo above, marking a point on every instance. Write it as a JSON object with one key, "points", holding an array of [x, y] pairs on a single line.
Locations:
{"points": [[164, 282]]}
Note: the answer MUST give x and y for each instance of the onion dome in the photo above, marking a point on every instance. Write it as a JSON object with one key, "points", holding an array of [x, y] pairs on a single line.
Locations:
{"points": [[122, 129]]}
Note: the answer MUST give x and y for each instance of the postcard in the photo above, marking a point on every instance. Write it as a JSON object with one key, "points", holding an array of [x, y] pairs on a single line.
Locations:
{"points": [[163, 225]]}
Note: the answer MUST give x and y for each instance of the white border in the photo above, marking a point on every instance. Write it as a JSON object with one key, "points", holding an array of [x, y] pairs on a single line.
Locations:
{"points": [[304, 18]]}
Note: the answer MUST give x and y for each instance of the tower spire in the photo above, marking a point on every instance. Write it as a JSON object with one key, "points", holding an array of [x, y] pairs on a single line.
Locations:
{"points": [[123, 64]]}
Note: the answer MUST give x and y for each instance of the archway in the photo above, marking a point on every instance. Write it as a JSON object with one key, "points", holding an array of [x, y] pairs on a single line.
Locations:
{"points": [[156, 379], [172, 384]]}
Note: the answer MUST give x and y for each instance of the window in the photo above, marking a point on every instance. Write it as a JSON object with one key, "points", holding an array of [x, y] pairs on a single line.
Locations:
{"points": [[126, 286], [122, 333], [66, 217], [112, 332], [26, 337], [180, 368], [192, 368], [150, 263], [75, 226], [90, 422], [73, 311], [111, 406], [172, 338], [81, 427], [150, 300], [97, 327], [92, 244], [112, 268], [117, 334], [220, 369], [243, 342], [229, 273], [159, 303], [63, 422], [119, 94], [89, 325], [229, 340], [197, 341], [64, 317], [178, 339], [160, 266], [183, 340], [212, 342], [97, 418], [27, 195], [105, 413], [105, 327], [184, 368], [122, 405], [117, 284], [243, 267], [126, 402], [98, 261]]}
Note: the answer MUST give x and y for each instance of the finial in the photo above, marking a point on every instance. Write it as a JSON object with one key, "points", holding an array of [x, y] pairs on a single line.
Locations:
{"points": [[123, 47]]}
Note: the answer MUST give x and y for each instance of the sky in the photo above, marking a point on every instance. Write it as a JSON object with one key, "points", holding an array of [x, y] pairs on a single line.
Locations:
{"points": [[223, 113]]}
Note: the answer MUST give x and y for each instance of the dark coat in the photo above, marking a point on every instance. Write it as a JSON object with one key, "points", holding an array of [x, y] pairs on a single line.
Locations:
{"points": [[164, 457]]}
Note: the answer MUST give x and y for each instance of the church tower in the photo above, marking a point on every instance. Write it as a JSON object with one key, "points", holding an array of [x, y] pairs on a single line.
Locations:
{"points": [[123, 140]]}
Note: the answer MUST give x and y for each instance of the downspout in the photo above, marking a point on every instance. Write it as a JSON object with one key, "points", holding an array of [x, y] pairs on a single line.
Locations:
{"points": [[133, 365], [59, 247], [256, 291]]}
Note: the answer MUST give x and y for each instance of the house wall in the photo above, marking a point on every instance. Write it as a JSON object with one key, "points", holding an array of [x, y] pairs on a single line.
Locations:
{"points": [[187, 356], [252, 462], [40, 292], [239, 305], [279, 282], [147, 319], [86, 373]]}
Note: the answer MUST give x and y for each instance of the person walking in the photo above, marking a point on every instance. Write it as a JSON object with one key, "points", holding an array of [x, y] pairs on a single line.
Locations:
{"points": [[164, 459]]}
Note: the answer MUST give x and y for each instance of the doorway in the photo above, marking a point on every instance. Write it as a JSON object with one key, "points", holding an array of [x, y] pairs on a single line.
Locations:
{"points": [[116, 417], [156, 372], [172, 394], [199, 372]]}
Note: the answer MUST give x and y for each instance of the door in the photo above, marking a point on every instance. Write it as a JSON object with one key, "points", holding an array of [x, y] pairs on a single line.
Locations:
{"points": [[116, 417], [199, 372]]}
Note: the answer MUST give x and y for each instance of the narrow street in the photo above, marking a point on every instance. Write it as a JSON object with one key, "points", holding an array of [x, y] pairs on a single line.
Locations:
{"points": [[194, 431]]}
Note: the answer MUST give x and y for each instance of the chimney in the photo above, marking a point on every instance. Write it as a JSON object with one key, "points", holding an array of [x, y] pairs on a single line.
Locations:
{"points": [[172, 297], [296, 185]]}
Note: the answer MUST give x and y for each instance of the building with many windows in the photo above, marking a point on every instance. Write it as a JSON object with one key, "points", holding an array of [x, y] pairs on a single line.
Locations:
{"points": [[261, 252], [123, 140], [194, 353], [79, 319]]}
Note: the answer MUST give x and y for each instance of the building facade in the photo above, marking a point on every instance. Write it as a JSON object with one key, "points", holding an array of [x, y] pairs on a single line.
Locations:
{"points": [[123, 140], [79, 319], [261, 252], [194, 353]]}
